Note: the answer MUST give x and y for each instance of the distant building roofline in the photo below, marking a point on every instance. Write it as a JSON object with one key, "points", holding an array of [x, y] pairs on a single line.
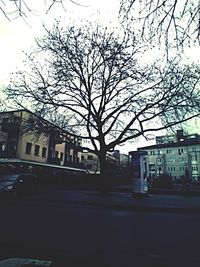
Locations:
{"points": [[175, 144], [38, 116]]}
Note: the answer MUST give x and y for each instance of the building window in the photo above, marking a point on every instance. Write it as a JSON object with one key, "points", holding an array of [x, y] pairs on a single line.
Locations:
{"points": [[61, 156], [28, 148], [44, 152], [37, 150], [90, 157], [56, 154], [82, 158]]}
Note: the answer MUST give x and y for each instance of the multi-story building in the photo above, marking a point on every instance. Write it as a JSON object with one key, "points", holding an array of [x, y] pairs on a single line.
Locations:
{"points": [[50, 144], [114, 160], [90, 162], [177, 156]]}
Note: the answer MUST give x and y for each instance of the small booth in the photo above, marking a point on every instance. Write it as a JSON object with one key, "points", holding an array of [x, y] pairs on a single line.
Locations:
{"points": [[138, 168]]}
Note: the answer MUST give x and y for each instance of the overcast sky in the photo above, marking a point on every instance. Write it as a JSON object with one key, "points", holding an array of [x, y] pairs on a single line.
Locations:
{"points": [[18, 35]]}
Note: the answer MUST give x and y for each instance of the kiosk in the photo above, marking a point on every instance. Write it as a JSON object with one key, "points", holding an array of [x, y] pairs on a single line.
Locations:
{"points": [[138, 164]]}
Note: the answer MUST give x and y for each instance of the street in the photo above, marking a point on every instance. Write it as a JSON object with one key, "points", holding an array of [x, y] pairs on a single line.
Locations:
{"points": [[95, 236]]}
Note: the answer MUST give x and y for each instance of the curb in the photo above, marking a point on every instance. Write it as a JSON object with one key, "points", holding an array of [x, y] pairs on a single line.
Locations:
{"points": [[113, 202], [129, 207]]}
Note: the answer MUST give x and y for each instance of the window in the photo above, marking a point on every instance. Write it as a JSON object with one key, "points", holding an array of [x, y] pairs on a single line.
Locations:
{"points": [[82, 157], [90, 157], [44, 152], [37, 150], [56, 154], [61, 156], [28, 148]]}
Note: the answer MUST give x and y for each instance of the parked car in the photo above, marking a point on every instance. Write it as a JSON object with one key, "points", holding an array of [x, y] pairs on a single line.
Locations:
{"points": [[17, 184]]}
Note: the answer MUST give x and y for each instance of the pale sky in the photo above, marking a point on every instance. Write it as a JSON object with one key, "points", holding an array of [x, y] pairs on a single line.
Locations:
{"points": [[18, 35]]}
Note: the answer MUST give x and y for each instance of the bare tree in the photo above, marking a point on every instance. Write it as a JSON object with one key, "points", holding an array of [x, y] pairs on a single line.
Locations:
{"points": [[94, 77], [177, 22], [23, 8]]}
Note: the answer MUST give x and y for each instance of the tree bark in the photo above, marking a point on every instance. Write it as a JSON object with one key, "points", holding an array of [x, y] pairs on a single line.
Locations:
{"points": [[104, 173]]}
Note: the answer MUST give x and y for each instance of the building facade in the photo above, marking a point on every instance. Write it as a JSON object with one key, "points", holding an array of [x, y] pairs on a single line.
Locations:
{"points": [[176, 156], [90, 162], [115, 160], [18, 139]]}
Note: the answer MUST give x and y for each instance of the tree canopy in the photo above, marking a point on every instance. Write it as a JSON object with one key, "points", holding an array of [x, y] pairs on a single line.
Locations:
{"points": [[174, 22], [95, 78], [12, 9]]}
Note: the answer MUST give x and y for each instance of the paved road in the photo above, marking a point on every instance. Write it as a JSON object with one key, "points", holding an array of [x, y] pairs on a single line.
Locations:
{"points": [[89, 236]]}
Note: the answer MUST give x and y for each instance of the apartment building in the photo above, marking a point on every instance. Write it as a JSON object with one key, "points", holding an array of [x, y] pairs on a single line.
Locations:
{"points": [[114, 160], [90, 162], [176, 155], [19, 139]]}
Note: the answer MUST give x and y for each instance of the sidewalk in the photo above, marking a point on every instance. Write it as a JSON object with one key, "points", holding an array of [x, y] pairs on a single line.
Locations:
{"points": [[122, 201]]}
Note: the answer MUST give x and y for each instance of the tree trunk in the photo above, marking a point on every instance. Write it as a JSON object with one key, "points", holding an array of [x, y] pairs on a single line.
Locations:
{"points": [[104, 174]]}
